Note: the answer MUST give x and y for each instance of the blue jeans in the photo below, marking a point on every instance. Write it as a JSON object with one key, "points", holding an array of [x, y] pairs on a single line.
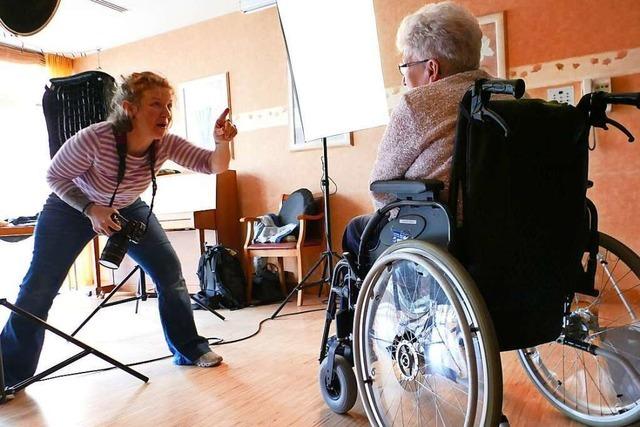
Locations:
{"points": [[60, 234]]}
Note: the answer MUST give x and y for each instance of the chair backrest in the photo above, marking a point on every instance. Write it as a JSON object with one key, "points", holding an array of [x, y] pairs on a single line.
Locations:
{"points": [[524, 226], [300, 202], [314, 231], [73, 103]]}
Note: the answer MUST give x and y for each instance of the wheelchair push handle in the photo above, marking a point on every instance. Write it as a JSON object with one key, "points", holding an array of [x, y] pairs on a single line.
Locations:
{"points": [[481, 95], [514, 87], [620, 98], [595, 105]]}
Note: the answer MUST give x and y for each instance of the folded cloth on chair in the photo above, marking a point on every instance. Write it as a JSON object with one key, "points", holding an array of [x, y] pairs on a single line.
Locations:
{"points": [[267, 230]]}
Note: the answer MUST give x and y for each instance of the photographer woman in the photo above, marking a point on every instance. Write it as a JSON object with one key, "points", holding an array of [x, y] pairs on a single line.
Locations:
{"points": [[86, 194]]}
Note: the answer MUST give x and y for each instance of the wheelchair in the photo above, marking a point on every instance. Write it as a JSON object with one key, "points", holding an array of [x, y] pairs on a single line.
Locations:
{"points": [[416, 320]]}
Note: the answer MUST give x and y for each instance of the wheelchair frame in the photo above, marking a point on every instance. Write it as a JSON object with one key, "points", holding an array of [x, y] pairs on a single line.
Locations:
{"points": [[350, 274]]}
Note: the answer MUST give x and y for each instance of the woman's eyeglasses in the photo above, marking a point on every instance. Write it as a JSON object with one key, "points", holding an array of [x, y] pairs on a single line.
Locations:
{"points": [[404, 67]]}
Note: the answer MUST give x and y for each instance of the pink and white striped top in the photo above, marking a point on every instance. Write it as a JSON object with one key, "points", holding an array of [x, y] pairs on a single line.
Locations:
{"points": [[88, 161]]}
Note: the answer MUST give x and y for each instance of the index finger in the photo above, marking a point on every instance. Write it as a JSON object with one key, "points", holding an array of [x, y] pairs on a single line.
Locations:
{"points": [[222, 117], [114, 225]]}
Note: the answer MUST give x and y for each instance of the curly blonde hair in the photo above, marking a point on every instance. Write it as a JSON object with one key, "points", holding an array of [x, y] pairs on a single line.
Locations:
{"points": [[445, 31], [131, 89]]}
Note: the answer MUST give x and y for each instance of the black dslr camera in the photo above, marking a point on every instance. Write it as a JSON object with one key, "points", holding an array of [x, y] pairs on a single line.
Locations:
{"points": [[118, 243]]}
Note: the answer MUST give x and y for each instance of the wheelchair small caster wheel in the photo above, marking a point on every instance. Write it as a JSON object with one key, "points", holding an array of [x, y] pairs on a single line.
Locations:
{"points": [[340, 391]]}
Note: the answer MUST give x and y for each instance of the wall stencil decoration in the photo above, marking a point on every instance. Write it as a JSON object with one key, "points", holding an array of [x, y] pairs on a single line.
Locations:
{"points": [[596, 65], [262, 119], [492, 55]]}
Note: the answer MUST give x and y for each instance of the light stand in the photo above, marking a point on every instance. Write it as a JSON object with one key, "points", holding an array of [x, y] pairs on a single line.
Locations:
{"points": [[326, 258], [6, 392], [141, 295]]}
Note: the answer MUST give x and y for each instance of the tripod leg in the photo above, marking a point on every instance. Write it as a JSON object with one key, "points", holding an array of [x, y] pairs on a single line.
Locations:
{"points": [[142, 288], [87, 349], [4, 396], [297, 287], [106, 300], [38, 377], [138, 293], [204, 307], [326, 274]]}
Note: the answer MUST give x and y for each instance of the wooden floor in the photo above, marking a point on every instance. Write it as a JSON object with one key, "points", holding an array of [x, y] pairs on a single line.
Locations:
{"points": [[270, 379]]}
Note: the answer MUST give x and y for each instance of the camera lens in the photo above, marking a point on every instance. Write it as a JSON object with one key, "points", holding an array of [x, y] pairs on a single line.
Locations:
{"points": [[114, 250]]}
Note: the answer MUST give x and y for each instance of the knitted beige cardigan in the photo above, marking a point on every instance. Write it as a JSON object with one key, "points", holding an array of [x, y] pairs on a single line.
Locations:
{"points": [[418, 142]]}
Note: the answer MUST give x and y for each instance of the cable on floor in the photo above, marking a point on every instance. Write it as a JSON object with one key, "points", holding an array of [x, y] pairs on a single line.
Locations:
{"points": [[213, 341]]}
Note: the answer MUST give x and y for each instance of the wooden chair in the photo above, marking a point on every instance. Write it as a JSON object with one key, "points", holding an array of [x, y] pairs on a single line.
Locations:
{"points": [[310, 241]]}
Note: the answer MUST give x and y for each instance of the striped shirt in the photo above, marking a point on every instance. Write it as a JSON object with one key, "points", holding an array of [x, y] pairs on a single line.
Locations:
{"points": [[87, 165]]}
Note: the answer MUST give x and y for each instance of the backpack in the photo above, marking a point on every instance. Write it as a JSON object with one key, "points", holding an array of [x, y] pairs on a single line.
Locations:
{"points": [[222, 280], [266, 285]]}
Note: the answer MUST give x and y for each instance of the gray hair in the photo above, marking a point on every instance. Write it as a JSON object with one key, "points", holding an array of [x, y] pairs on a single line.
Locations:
{"points": [[445, 31], [131, 90]]}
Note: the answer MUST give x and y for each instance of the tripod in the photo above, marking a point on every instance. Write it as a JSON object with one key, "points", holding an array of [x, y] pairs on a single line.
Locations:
{"points": [[326, 258], [7, 392], [141, 295]]}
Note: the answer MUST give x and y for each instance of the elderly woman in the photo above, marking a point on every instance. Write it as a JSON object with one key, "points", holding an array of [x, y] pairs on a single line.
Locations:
{"points": [[440, 45], [88, 191]]}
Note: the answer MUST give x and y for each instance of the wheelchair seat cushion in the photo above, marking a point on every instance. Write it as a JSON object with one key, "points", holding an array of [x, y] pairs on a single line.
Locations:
{"points": [[524, 224]]}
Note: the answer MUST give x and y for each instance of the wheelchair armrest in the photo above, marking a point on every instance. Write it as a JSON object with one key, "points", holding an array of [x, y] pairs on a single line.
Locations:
{"points": [[406, 186], [248, 219]]}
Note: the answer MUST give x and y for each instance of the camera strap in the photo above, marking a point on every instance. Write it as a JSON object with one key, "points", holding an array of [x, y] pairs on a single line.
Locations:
{"points": [[121, 147]]}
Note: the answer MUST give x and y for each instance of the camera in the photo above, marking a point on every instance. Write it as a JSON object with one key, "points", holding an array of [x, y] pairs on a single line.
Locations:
{"points": [[118, 244]]}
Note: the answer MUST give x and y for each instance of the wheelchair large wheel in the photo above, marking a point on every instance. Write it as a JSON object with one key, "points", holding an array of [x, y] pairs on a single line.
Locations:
{"points": [[424, 344], [596, 390]]}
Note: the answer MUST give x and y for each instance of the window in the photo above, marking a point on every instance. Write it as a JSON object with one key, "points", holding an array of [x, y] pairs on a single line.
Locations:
{"points": [[24, 141]]}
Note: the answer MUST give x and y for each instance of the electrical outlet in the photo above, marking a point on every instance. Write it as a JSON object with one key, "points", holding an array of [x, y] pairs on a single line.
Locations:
{"points": [[561, 94], [601, 85]]}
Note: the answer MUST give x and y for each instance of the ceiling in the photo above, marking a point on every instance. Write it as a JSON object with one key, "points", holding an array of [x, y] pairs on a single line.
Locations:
{"points": [[84, 26]]}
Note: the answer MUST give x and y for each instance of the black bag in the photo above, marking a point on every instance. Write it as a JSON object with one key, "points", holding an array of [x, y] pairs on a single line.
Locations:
{"points": [[266, 286], [222, 280]]}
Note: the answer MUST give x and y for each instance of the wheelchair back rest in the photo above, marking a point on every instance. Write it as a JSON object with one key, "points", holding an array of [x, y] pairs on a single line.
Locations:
{"points": [[524, 204]]}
